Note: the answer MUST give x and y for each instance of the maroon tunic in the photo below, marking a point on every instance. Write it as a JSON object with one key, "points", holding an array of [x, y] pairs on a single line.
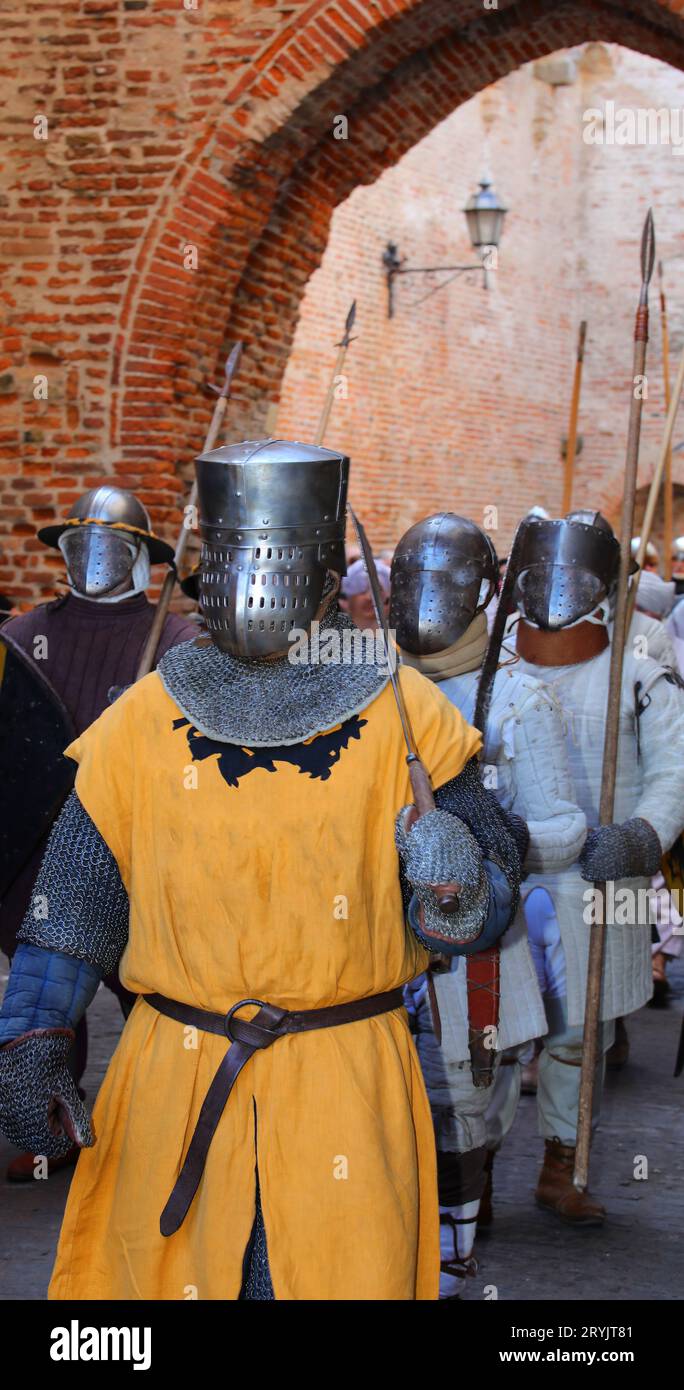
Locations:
{"points": [[91, 647]]}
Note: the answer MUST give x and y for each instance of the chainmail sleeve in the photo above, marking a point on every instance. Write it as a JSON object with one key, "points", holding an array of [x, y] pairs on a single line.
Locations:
{"points": [[79, 905]]}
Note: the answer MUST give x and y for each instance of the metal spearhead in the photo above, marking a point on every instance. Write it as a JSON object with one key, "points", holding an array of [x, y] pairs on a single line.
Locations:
{"points": [[371, 571], [647, 249], [232, 363], [378, 608], [346, 338]]}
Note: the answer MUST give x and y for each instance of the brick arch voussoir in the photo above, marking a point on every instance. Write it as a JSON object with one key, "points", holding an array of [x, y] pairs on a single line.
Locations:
{"points": [[393, 117], [261, 226]]}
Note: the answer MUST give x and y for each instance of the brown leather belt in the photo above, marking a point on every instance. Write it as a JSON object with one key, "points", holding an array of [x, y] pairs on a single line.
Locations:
{"points": [[246, 1037]]}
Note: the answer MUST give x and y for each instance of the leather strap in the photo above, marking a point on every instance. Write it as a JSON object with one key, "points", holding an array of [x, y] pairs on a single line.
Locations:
{"points": [[568, 646], [246, 1037], [483, 990]]}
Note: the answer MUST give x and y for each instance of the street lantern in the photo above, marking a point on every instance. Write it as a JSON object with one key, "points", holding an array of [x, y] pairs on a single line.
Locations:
{"points": [[484, 215]]}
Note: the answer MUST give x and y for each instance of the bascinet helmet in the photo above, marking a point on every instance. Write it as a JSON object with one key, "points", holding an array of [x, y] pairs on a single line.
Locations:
{"points": [[272, 518], [565, 569], [101, 538], [444, 571]]}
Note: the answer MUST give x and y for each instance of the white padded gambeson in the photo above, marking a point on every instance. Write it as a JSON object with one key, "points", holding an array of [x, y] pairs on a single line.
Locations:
{"points": [[526, 745], [651, 787]]}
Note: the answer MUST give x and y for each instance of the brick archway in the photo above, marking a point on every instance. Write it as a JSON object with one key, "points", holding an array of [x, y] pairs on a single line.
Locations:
{"points": [[233, 153], [261, 214]]}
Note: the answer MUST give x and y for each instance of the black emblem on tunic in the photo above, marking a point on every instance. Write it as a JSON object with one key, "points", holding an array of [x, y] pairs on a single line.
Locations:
{"points": [[317, 758]]}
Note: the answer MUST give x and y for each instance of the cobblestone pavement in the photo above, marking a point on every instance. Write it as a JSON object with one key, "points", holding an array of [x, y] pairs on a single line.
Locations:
{"points": [[528, 1255]]}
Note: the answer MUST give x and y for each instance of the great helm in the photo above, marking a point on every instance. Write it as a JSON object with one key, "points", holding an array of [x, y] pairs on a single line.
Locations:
{"points": [[565, 568], [101, 537], [444, 571], [272, 518]]}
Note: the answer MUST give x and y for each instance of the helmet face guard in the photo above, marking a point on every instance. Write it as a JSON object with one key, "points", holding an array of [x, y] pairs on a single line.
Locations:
{"points": [[566, 569], [117, 510], [253, 597], [444, 572], [272, 517], [98, 559]]}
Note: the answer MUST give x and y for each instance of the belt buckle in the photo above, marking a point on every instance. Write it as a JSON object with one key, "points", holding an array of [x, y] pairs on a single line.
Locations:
{"points": [[240, 1005]]}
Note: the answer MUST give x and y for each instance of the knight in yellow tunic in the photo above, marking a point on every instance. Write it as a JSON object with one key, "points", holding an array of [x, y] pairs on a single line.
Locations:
{"points": [[236, 867]]}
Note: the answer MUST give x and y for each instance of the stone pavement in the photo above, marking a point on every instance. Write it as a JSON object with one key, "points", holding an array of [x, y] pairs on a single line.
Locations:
{"points": [[528, 1255]]}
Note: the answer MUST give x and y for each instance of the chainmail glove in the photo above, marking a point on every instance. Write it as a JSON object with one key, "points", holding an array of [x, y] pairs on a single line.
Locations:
{"points": [[441, 849], [630, 850], [40, 1108]]}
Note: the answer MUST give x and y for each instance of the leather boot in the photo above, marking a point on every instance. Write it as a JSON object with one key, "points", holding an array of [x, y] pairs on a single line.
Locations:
{"points": [[22, 1169], [485, 1215], [661, 988], [555, 1191], [457, 1227], [617, 1056]]}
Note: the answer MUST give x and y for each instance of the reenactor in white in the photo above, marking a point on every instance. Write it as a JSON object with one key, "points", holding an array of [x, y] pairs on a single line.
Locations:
{"points": [[566, 572], [444, 574]]}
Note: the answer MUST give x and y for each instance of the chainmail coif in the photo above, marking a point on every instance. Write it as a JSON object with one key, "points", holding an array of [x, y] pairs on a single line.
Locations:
{"points": [[260, 704], [79, 888]]}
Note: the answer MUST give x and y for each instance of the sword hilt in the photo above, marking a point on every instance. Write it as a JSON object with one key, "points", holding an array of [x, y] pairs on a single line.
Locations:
{"points": [[424, 801]]}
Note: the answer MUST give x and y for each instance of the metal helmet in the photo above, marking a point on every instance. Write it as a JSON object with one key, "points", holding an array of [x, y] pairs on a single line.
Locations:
{"points": [[678, 549], [101, 538], [444, 571], [565, 568], [272, 518]]}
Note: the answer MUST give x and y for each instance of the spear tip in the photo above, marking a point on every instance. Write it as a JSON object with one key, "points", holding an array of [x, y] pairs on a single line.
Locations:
{"points": [[233, 358], [647, 248]]}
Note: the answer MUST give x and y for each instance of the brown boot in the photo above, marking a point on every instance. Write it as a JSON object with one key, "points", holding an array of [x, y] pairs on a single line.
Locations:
{"points": [[485, 1215], [617, 1056], [22, 1169], [555, 1191]]}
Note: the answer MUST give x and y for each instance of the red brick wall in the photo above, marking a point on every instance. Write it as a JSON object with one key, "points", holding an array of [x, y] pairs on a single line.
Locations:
{"points": [[210, 127], [462, 401]]}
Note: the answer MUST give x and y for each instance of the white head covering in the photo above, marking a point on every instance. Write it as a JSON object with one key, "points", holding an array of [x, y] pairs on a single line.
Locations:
{"points": [[355, 580], [654, 595]]}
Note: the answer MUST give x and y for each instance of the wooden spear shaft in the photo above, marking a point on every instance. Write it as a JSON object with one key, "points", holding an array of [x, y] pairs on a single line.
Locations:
{"points": [[571, 448], [667, 484], [336, 373], [147, 659], [651, 504], [590, 1050]]}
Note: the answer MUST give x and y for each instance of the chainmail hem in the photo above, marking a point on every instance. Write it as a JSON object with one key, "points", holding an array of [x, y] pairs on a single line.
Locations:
{"points": [[257, 704]]}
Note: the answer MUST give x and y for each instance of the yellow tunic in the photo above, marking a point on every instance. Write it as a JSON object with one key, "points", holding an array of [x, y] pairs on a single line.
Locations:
{"points": [[277, 881]]}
